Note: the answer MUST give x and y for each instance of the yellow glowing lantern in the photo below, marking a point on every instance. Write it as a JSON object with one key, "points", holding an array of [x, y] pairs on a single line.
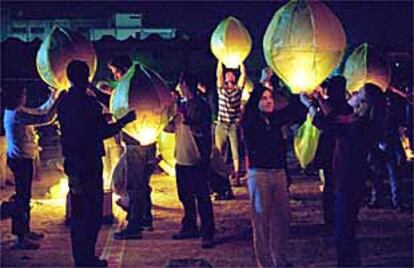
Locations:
{"points": [[366, 65], [231, 42], [58, 49], [303, 43], [142, 90], [166, 147], [247, 90]]}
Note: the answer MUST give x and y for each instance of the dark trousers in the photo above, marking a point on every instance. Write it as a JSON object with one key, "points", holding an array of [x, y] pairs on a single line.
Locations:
{"points": [[22, 169], [139, 173], [346, 206], [328, 197], [192, 187], [86, 194]]}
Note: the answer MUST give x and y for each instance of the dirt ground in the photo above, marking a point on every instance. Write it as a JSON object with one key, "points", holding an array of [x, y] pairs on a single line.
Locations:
{"points": [[385, 235]]}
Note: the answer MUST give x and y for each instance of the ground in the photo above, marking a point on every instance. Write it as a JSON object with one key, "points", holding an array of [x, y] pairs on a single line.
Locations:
{"points": [[385, 235]]}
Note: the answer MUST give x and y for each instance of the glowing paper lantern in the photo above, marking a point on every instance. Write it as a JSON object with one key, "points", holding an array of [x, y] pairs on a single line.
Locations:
{"points": [[144, 91], [366, 65], [231, 42], [59, 48], [247, 90], [303, 43], [166, 147]]}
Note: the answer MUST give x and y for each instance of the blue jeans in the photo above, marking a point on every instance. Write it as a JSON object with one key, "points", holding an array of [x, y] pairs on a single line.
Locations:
{"points": [[346, 204], [269, 201]]}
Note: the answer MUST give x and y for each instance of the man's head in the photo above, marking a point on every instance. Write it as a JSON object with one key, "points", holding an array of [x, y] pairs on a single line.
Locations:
{"points": [[336, 89], [229, 80], [14, 95], [78, 73], [187, 86], [119, 65]]}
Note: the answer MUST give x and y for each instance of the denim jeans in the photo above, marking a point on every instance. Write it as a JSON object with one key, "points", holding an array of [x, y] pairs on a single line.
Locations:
{"points": [[139, 171], [270, 215], [224, 132]]}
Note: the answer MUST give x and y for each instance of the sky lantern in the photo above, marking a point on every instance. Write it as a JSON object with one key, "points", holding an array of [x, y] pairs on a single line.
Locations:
{"points": [[366, 65], [58, 49], [166, 148], [231, 42], [143, 90], [303, 44]]}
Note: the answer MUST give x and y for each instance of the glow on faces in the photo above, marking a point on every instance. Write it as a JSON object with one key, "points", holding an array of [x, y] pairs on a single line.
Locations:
{"points": [[267, 102]]}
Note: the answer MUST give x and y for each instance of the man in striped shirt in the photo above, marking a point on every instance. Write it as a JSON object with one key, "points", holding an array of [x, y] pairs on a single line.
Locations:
{"points": [[229, 111]]}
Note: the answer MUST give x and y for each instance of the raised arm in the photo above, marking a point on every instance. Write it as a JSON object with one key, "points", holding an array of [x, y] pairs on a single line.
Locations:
{"points": [[219, 74], [45, 107], [39, 118], [243, 76]]}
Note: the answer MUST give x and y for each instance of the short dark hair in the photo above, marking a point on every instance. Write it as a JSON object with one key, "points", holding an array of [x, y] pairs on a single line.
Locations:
{"points": [[336, 87], [11, 94], [122, 62], [78, 72]]}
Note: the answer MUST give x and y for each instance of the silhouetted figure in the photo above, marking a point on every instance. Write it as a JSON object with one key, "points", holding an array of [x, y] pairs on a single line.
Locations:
{"points": [[84, 128], [192, 127]]}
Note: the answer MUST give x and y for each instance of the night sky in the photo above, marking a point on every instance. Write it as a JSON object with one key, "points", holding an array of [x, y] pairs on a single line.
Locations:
{"points": [[386, 24]]}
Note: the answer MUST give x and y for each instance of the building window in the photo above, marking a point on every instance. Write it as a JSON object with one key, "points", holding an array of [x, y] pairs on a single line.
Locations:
{"points": [[19, 30], [37, 30]]}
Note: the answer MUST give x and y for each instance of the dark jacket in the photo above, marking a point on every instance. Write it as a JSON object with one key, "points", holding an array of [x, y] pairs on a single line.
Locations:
{"points": [[83, 125], [263, 136]]}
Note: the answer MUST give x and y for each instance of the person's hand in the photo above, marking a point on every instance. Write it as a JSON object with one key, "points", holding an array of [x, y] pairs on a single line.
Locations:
{"points": [[129, 117], [305, 100]]}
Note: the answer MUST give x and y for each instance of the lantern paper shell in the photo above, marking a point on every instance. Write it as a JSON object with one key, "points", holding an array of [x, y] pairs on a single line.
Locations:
{"points": [[166, 147], [59, 48], [303, 43], [231, 42], [144, 91], [366, 65]]}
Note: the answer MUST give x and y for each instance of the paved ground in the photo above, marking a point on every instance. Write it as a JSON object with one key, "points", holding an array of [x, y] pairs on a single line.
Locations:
{"points": [[386, 236]]}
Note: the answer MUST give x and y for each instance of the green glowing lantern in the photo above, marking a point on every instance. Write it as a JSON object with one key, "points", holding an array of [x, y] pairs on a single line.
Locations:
{"points": [[366, 65], [231, 42], [143, 90], [58, 49], [303, 43]]}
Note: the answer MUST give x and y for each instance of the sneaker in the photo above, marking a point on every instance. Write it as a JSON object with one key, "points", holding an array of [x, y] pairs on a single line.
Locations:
{"points": [[147, 227], [35, 236], [96, 262], [207, 243], [122, 202], [219, 196], [26, 244], [229, 195], [375, 205], [185, 235], [127, 234]]}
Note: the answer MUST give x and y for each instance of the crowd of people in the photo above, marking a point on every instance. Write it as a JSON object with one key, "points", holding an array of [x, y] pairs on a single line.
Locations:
{"points": [[359, 140]]}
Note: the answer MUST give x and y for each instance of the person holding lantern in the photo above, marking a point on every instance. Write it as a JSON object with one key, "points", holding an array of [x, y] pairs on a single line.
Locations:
{"points": [[229, 112], [19, 122], [84, 128], [267, 182], [354, 134], [192, 127]]}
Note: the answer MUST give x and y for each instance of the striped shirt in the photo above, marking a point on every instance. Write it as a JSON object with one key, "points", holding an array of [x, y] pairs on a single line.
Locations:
{"points": [[229, 105]]}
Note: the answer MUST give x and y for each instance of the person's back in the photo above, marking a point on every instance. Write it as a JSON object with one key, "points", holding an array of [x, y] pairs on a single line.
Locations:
{"points": [[80, 120], [84, 128]]}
